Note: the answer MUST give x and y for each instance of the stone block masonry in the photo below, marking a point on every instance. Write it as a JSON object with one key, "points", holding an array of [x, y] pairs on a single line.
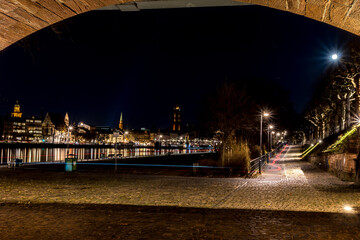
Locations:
{"points": [[20, 18], [340, 164]]}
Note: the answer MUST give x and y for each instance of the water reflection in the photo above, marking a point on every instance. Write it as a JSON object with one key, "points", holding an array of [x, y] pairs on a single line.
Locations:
{"points": [[59, 154]]}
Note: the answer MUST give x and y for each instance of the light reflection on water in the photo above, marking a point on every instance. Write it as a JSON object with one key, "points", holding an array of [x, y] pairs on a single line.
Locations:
{"points": [[59, 154]]}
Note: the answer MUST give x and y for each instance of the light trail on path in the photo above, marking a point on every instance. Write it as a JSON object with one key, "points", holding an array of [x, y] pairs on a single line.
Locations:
{"points": [[277, 158]]}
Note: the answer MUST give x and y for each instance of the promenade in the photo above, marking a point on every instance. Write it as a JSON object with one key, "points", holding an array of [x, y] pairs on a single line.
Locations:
{"points": [[292, 199]]}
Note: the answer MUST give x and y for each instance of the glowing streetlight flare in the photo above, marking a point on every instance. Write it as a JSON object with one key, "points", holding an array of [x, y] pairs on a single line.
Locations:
{"points": [[348, 208], [334, 56], [266, 114]]}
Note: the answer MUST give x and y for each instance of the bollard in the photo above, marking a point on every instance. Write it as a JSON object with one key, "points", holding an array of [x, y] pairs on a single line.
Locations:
{"points": [[195, 165], [260, 165]]}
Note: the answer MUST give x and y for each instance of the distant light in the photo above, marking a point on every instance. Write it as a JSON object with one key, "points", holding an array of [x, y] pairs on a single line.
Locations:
{"points": [[348, 208], [271, 126], [312, 144], [334, 56], [320, 141], [266, 114]]}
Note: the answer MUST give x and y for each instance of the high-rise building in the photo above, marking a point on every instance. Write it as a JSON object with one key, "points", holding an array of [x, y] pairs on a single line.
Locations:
{"points": [[176, 120]]}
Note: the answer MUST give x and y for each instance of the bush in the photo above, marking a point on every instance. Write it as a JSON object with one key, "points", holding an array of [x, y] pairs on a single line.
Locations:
{"points": [[255, 151], [240, 157]]}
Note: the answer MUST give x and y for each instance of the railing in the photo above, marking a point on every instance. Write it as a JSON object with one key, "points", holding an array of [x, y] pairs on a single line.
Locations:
{"points": [[257, 164], [142, 156]]}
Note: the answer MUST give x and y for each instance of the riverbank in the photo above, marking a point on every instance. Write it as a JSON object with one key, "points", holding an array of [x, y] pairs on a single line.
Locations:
{"points": [[63, 145], [195, 164]]}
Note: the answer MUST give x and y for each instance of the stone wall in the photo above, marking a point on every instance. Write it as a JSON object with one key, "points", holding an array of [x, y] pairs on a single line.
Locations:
{"points": [[340, 164], [20, 18]]}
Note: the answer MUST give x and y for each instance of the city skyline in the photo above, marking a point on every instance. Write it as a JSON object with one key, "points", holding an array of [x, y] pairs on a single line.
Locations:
{"points": [[98, 67], [16, 111]]}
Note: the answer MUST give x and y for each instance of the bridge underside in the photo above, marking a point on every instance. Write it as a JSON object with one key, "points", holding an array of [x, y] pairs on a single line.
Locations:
{"points": [[20, 18]]}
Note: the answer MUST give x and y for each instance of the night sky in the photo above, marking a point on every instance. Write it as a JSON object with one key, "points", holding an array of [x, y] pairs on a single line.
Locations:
{"points": [[101, 63]]}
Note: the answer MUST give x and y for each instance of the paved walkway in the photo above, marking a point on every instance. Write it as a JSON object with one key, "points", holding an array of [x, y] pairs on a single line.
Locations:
{"points": [[287, 184], [291, 200]]}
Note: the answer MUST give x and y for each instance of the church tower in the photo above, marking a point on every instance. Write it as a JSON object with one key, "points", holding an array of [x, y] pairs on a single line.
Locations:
{"points": [[176, 121], [16, 112], [121, 124], [66, 120]]}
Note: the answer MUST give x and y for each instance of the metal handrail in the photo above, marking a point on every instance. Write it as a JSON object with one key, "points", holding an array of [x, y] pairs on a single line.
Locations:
{"points": [[256, 165]]}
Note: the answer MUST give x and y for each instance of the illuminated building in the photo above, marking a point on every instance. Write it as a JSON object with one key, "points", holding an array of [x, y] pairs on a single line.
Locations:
{"points": [[103, 134], [176, 120], [54, 128], [33, 129], [85, 133], [16, 128], [16, 113], [141, 137]]}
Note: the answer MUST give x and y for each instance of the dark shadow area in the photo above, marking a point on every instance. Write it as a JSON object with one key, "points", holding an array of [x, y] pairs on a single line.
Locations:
{"points": [[89, 221]]}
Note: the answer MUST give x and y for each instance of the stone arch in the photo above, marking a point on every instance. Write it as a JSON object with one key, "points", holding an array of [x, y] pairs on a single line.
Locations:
{"points": [[20, 18]]}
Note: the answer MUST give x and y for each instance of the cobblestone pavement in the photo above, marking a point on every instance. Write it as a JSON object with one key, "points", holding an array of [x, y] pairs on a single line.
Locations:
{"points": [[291, 200], [66, 221]]}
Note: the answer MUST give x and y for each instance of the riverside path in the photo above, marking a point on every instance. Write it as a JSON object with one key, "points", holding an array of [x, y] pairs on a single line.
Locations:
{"points": [[292, 199]]}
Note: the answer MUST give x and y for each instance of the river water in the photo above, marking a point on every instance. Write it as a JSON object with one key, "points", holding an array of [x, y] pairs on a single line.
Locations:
{"points": [[59, 154]]}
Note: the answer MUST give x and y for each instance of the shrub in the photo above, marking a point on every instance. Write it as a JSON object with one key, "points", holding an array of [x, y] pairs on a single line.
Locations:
{"points": [[240, 157], [255, 151]]}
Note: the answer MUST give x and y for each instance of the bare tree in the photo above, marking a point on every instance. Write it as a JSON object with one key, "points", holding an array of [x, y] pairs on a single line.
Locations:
{"points": [[230, 113]]}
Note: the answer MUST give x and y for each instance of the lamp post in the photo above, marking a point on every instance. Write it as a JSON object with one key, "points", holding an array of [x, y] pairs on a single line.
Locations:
{"points": [[126, 132], [269, 145], [68, 140], [261, 120], [116, 135]]}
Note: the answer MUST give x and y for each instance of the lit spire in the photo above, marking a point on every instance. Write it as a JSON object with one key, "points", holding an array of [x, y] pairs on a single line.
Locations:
{"points": [[66, 120], [121, 125]]}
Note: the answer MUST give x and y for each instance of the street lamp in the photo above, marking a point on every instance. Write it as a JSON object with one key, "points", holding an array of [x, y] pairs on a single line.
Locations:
{"points": [[124, 135], [261, 120], [334, 56], [69, 128]]}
